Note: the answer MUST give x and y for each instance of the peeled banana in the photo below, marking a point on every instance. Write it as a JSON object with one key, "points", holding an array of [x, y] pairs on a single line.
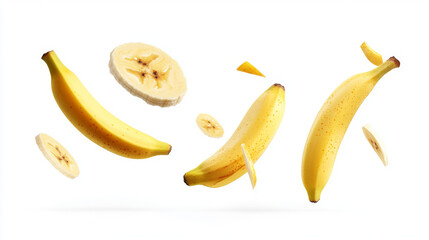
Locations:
{"points": [[331, 124], [149, 73], [57, 155], [256, 131], [95, 122]]}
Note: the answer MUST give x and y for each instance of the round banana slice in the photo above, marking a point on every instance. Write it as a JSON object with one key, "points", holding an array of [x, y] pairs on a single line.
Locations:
{"points": [[249, 165], [375, 143], [209, 126], [57, 155], [149, 73]]}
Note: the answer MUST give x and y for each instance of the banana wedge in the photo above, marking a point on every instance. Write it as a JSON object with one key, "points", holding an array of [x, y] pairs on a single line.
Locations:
{"points": [[373, 56], [149, 73], [57, 155], [375, 142], [249, 68]]}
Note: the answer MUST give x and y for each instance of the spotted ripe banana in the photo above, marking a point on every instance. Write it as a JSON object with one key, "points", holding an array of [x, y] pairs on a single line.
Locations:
{"points": [[95, 122], [331, 124], [256, 131]]}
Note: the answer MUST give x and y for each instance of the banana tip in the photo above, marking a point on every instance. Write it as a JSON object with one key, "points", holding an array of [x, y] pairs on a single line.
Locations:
{"points": [[170, 150], [184, 179], [279, 85], [314, 201], [396, 61], [46, 53]]}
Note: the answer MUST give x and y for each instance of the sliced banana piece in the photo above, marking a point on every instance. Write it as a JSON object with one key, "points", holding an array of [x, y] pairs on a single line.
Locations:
{"points": [[375, 142], [249, 165], [57, 155], [209, 126], [149, 73], [249, 68], [373, 56]]}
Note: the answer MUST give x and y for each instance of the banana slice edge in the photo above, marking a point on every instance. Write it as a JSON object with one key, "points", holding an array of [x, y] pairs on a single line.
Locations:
{"points": [[149, 73], [57, 155], [375, 142], [249, 165]]}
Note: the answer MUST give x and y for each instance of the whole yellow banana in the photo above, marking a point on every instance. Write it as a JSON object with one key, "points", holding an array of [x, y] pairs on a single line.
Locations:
{"points": [[331, 124], [256, 130], [95, 122]]}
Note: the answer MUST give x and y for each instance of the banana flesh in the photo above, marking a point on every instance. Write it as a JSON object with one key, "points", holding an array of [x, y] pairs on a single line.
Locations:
{"points": [[95, 122], [249, 165], [249, 68], [256, 131], [209, 125], [149, 73], [57, 155], [331, 124], [375, 142], [373, 56]]}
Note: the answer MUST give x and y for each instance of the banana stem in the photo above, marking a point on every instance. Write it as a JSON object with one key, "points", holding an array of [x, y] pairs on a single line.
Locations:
{"points": [[396, 61], [54, 64], [384, 68]]}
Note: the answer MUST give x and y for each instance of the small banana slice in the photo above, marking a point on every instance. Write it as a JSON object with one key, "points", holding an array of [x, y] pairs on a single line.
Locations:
{"points": [[209, 126], [149, 73], [57, 155], [249, 165], [375, 143], [249, 68], [373, 56]]}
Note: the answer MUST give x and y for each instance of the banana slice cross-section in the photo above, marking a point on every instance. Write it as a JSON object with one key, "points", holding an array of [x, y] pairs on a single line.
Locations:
{"points": [[375, 142], [249, 165], [149, 73], [249, 68], [373, 56], [57, 155], [209, 125]]}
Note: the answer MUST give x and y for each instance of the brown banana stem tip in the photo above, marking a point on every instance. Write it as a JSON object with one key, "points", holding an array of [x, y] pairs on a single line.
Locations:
{"points": [[396, 61], [46, 53], [279, 85], [184, 179]]}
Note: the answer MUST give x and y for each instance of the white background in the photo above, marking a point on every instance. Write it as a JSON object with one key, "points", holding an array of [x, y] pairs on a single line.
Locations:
{"points": [[309, 47]]}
